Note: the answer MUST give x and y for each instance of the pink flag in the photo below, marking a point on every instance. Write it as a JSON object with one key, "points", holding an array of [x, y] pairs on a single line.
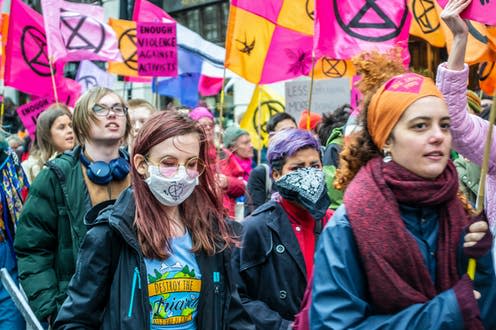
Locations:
{"points": [[483, 11], [344, 28], [77, 31], [26, 67], [145, 11], [209, 86]]}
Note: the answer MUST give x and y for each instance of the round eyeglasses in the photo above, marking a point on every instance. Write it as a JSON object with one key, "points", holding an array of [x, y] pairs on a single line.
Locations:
{"points": [[169, 166], [103, 111]]}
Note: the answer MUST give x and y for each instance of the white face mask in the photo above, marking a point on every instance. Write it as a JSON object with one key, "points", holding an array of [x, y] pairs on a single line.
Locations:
{"points": [[170, 191]]}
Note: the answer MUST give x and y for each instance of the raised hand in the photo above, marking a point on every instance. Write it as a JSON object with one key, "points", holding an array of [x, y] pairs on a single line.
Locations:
{"points": [[451, 16]]}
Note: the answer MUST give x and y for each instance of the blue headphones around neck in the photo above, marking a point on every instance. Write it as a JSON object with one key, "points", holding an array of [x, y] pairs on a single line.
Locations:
{"points": [[102, 173]]}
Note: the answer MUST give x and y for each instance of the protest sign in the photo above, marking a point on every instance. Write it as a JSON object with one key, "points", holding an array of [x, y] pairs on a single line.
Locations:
{"points": [[29, 112], [157, 49], [327, 95]]}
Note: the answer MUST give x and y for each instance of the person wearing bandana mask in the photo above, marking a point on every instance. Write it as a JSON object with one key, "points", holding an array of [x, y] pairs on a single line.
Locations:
{"points": [[162, 252], [276, 258]]}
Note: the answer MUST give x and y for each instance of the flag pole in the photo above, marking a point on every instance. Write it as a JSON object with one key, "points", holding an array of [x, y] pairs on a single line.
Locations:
{"points": [[124, 89], [154, 100], [157, 99], [311, 91], [52, 75], [259, 125], [479, 204], [220, 109], [2, 106]]}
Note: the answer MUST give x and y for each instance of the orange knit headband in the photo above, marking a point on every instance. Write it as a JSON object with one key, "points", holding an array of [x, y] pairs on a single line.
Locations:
{"points": [[392, 99]]}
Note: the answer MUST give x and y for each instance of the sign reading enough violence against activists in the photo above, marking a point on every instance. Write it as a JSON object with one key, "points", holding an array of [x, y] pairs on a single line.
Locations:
{"points": [[157, 49]]}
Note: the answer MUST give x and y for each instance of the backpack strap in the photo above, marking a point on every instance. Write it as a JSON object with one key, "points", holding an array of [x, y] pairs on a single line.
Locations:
{"points": [[317, 230], [268, 181]]}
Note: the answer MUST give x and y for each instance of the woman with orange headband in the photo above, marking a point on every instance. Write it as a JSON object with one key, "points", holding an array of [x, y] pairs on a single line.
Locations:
{"points": [[394, 254]]}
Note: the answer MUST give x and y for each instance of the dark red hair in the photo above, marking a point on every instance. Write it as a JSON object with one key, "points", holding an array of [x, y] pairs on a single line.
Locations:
{"points": [[202, 212]]}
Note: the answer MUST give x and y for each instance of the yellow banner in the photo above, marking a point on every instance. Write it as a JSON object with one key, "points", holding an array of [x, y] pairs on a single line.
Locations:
{"points": [[426, 23], [478, 50], [4, 36], [126, 37], [297, 15], [487, 77], [247, 43], [326, 68], [263, 105], [174, 285]]}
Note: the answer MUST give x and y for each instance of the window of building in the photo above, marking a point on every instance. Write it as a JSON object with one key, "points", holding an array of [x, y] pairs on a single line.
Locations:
{"points": [[209, 21]]}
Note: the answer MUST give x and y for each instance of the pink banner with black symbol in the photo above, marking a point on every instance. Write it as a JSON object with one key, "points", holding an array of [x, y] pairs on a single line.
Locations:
{"points": [[26, 67], [344, 28], [78, 31]]}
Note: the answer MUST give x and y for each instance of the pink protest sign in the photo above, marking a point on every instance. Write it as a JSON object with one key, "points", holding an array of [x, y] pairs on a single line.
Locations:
{"points": [[157, 49], [29, 113], [483, 11]]}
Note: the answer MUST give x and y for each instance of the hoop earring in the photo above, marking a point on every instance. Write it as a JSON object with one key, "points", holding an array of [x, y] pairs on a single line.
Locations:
{"points": [[387, 156]]}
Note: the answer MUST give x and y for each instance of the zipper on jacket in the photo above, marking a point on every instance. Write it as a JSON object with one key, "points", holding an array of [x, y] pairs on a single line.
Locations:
{"points": [[136, 278], [216, 280]]}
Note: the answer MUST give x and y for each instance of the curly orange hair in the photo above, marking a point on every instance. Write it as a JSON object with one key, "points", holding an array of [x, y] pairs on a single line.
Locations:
{"points": [[375, 69]]}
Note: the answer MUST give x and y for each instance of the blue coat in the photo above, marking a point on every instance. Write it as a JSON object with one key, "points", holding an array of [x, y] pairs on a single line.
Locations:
{"points": [[340, 295]]}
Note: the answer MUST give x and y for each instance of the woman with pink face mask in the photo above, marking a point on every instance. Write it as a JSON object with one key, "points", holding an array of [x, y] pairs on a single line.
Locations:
{"points": [[162, 251]]}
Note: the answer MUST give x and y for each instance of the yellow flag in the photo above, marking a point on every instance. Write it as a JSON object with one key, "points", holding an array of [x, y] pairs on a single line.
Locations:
{"points": [[247, 43], [126, 36], [426, 23], [4, 36], [487, 77], [297, 15], [326, 68], [477, 44], [263, 105]]}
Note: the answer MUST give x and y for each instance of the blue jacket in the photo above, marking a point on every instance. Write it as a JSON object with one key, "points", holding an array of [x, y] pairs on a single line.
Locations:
{"points": [[340, 295]]}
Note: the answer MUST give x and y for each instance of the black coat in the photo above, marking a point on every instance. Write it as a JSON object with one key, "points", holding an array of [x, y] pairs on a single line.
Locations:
{"points": [[101, 294], [270, 268]]}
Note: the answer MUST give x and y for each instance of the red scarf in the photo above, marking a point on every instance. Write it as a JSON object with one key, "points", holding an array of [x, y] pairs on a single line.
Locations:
{"points": [[396, 272], [303, 225]]}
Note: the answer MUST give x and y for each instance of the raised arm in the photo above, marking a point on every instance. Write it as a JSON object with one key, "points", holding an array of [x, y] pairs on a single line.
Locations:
{"points": [[469, 131]]}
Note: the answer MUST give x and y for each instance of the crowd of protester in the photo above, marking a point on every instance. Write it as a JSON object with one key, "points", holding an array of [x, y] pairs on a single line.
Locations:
{"points": [[122, 216]]}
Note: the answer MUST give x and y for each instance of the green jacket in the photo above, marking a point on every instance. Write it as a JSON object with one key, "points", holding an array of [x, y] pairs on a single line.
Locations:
{"points": [[331, 163], [50, 231], [469, 177]]}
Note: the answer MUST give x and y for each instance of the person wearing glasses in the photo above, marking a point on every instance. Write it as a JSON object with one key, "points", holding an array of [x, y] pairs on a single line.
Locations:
{"points": [[162, 251], [51, 227]]}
